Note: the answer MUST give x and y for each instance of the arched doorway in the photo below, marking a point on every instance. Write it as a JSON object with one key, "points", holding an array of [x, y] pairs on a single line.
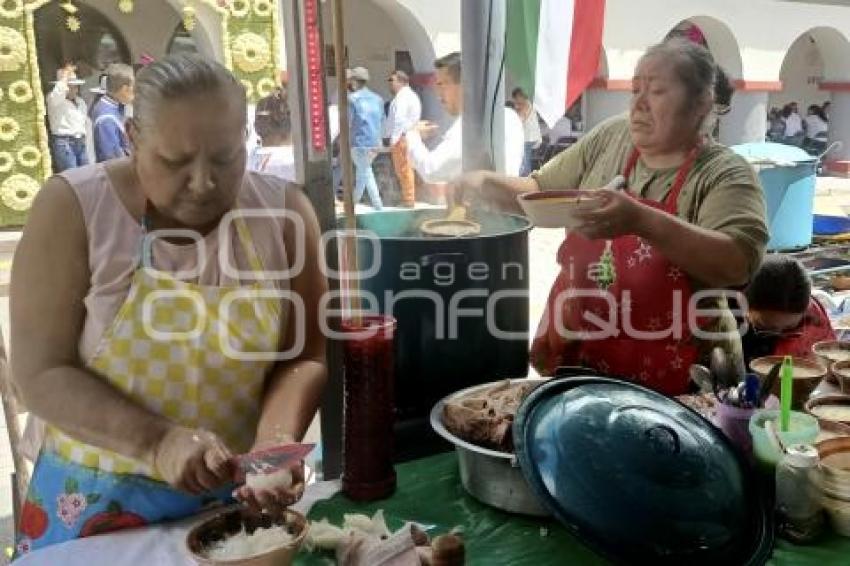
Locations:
{"points": [[803, 70], [715, 36], [95, 45], [820, 55], [815, 70], [181, 42], [745, 117], [383, 35]]}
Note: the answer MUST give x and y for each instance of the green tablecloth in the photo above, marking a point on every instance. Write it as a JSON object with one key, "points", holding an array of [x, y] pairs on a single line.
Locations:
{"points": [[429, 493]]}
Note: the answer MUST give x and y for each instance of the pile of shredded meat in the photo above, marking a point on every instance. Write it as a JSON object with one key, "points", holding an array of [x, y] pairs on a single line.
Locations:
{"points": [[486, 417]]}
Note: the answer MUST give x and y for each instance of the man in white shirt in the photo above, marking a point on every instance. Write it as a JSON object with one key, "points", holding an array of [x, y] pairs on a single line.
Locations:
{"points": [[444, 162], [530, 125], [67, 114], [405, 113], [793, 125]]}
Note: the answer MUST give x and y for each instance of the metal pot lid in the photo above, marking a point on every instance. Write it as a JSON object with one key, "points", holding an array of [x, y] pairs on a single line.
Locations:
{"points": [[639, 476]]}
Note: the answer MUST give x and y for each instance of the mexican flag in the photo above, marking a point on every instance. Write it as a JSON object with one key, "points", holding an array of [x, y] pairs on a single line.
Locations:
{"points": [[552, 50]]}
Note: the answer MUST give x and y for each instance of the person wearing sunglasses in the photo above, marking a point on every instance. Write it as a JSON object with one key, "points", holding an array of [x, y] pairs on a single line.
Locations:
{"points": [[782, 316]]}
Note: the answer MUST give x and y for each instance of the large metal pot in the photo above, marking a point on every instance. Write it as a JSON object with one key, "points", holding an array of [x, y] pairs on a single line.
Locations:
{"points": [[433, 286], [489, 475]]}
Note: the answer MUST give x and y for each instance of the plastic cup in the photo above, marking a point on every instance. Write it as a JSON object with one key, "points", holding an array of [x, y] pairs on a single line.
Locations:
{"points": [[369, 409], [804, 429], [735, 423]]}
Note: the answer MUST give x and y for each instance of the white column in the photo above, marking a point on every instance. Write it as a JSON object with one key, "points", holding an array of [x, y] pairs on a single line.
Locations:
{"points": [[839, 127], [603, 104], [746, 120]]}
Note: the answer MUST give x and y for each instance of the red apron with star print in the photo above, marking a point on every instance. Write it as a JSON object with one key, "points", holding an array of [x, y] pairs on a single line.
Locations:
{"points": [[620, 307]]}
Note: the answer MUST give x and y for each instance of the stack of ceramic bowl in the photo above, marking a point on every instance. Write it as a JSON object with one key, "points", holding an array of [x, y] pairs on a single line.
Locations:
{"points": [[836, 355], [833, 481]]}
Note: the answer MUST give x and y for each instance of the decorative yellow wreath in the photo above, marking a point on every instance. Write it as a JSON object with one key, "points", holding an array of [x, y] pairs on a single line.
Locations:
{"points": [[189, 18], [18, 191], [73, 24], [265, 87], [251, 52], [15, 11], [125, 6], [9, 129], [29, 156], [263, 8], [13, 49], [249, 88], [20, 92], [240, 8], [6, 161]]}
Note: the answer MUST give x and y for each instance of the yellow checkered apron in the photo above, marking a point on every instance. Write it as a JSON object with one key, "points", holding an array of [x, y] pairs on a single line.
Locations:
{"points": [[167, 350]]}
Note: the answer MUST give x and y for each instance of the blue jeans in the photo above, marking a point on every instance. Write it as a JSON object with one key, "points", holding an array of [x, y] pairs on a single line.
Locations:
{"points": [[68, 153], [527, 151], [364, 177]]}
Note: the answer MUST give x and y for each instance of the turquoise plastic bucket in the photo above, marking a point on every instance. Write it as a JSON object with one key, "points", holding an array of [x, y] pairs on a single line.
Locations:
{"points": [[789, 191]]}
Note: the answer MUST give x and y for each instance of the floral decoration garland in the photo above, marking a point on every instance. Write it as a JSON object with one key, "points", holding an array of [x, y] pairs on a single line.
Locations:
{"points": [[20, 92], [18, 191], [13, 49], [9, 129], [251, 52], [29, 156]]}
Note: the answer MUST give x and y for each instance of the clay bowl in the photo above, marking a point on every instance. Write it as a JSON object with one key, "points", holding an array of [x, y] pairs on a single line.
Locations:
{"points": [[230, 521], [831, 351], [839, 405], [834, 477], [808, 373], [841, 372], [556, 209]]}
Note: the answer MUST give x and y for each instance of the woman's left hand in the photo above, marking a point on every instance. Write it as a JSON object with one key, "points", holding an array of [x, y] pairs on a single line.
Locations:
{"points": [[615, 214], [276, 499]]}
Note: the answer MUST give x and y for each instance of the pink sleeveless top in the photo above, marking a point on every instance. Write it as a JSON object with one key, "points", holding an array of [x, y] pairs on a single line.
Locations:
{"points": [[114, 245]]}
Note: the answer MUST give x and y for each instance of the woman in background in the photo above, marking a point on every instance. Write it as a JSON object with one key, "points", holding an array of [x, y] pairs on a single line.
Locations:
{"points": [[273, 123]]}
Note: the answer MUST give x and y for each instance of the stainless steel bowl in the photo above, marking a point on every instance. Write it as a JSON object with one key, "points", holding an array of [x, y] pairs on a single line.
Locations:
{"points": [[490, 476]]}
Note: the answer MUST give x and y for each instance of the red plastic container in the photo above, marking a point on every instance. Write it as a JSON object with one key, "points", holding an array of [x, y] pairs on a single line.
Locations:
{"points": [[369, 378]]}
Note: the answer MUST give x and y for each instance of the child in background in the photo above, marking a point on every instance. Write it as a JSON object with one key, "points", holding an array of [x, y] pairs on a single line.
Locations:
{"points": [[783, 317]]}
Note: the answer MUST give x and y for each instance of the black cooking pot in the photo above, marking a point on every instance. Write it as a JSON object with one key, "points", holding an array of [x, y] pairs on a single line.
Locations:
{"points": [[448, 295]]}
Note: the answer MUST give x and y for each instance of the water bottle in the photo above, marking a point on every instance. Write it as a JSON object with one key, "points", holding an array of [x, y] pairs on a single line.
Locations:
{"points": [[799, 515]]}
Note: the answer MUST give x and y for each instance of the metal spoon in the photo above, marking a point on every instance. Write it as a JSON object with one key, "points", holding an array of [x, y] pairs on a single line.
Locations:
{"points": [[701, 376], [722, 371]]}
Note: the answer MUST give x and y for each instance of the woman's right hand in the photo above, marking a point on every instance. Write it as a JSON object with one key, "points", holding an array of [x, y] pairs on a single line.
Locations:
{"points": [[466, 188], [193, 460]]}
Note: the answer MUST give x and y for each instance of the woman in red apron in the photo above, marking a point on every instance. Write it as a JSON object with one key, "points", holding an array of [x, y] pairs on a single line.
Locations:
{"points": [[691, 220]]}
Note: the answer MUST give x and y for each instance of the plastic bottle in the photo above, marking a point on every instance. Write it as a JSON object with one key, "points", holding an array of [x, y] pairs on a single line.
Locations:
{"points": [[799, 515]]}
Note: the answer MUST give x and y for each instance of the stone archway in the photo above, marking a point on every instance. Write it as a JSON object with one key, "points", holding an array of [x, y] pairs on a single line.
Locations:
{"points": [[818, 55], [718, 38], [816, 69]]}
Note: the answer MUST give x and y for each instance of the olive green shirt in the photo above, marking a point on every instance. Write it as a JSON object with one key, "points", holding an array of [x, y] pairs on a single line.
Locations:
{"points": [[721, 193]]}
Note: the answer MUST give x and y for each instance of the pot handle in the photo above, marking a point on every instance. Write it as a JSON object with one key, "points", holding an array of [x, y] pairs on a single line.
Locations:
{"points": [[444, 257], [664, 435], [575, 371]]}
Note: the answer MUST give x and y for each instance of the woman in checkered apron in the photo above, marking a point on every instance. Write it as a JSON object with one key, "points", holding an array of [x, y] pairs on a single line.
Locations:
{"points": [[151, 327]]}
